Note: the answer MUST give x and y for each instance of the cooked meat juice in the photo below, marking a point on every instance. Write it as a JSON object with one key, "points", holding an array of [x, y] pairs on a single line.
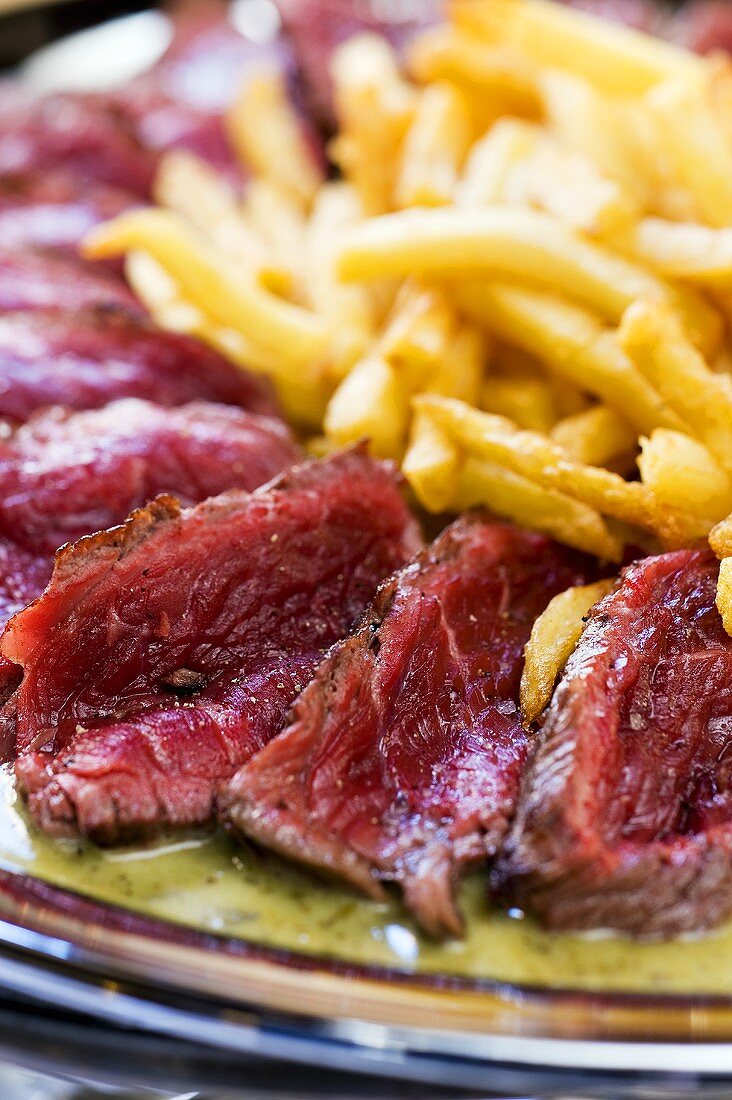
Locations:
{"points": [[204, 882]]}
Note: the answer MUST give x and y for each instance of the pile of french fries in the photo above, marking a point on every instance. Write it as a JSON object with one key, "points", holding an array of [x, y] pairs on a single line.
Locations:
{"points": [[519, 286]]}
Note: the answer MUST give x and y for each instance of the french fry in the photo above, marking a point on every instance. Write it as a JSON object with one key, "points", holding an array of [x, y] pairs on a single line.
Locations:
{"points": [[571, 343], [370, 403], [301, 338], [512, 243], [431, 464], [375, 107], [150, 281], [724, 593], [553, 639], [617, 59], [347, 307], [683, 474], [524, 502], [279, 222], [525, 398], [496, 73], [435, 147], [598, 436], [418, 332], [190, 187], [268, 137], [460, 371], [696, 147], [653, 338], [491, 161], [681, 250], [531, 455], [720, 538]]}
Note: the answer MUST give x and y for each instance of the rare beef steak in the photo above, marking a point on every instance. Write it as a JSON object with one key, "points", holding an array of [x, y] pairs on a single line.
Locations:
{"points": [[624, 816], [89, 357], [165, 652], [403, 756], [44, 279]]}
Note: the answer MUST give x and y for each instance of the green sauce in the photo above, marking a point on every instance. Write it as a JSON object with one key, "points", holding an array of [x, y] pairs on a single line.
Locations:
{"points": [[208, 883]]}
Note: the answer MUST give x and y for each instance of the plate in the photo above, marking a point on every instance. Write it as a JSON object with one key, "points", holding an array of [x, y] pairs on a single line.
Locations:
{"points": [[394, 1009]]}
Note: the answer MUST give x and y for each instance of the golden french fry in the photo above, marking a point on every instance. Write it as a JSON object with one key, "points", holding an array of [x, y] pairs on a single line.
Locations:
{"points": [[524, 502], [435, 147], [553, 639], [720, 538], [533, 456], [724, 593], [525, 398], [375, 107], [347, 306], [512, 243], [150, 281], [684, 475], [460, 371], [598, 436], [682, 250], [370, 403], [418, 332], [191, 188], [569, 342], [298, 336], [491, 160], [696, 146], [279, 222], [617, 59], [267, 135], [652, 336], [498, 74], [431, 464]]}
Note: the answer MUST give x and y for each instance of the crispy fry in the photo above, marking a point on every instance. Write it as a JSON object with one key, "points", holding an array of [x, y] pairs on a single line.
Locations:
{"points": [[431, 464], [418, 331], [460, 371], [696, 147], [598, 436], [278, 221], [554, 637], [724, 593], [491, 160], [533, 456], [498, 74], [299, 337], [652, 336], [684, 475], [370, 403], [347, 307], [720, 538], [435, 147], [150, 281], [375, 107], [517, 498], [682, 250], [615, 58], [268, 137], [525, 398], [511, 243], [570, 342]]}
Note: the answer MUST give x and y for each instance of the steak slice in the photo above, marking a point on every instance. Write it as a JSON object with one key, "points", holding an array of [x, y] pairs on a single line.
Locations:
{"points": [[67, 474], [165, 652], [624, 818], [55, 209], [84, 360], [403, 755], [32, 279]]}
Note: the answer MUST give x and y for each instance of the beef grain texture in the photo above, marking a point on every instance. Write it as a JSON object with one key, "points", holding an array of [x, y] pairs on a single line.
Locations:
{"points": [[624, 815], [34, 279], [242, 592], [87, 358], [403, 755]]}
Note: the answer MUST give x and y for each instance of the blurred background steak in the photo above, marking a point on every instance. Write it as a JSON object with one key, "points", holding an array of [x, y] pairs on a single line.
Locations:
{"points": [[624, 818], [163, 654], [403, 756]]}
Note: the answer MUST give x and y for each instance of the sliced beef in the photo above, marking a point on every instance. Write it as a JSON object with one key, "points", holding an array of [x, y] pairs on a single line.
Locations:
{"points": [[704, 26], [85, 359], [166, 652], [55, 209], [402, 758], [34, 279], [84, 134], [625, 815], [64, 475]]}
